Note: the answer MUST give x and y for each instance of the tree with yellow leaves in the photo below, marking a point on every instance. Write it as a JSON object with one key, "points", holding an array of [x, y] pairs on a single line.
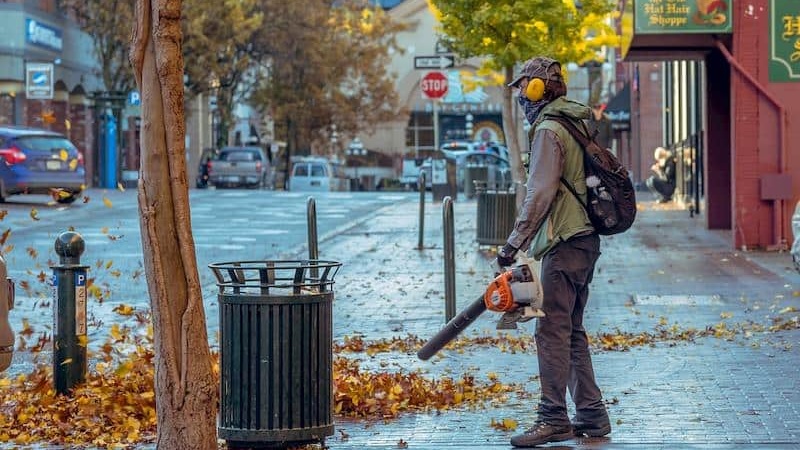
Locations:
{"points": [[506, 32]]}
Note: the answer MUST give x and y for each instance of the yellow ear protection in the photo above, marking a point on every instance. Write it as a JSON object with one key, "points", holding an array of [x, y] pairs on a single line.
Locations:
{"points": [[535, 89], [536, 86]]}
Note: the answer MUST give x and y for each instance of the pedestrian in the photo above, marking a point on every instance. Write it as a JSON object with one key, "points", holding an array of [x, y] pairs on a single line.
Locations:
{"points": [[555, 228], [600, 123], [662, 180]]}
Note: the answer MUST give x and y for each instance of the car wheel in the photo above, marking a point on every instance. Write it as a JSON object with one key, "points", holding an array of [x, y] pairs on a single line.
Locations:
{"points": [[67, 200]]}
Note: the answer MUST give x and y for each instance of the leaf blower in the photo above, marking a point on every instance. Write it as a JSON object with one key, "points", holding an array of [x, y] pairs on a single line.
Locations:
{"points": [[516, 292]]}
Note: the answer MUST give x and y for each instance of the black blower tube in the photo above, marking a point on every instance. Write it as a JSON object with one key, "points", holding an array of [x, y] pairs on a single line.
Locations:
{"points": [[453, 328]]}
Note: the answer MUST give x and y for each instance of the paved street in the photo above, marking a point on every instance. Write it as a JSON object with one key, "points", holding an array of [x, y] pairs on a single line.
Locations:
{"points": [[737, 387], [710, 393], [228, 225]]}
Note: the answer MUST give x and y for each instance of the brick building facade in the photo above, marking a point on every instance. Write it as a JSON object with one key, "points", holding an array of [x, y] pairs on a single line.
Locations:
{"points": [[726, 80]]}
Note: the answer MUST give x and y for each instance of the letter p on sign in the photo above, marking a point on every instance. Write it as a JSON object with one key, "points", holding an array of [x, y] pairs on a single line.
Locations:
{"points": [[434, 85]]}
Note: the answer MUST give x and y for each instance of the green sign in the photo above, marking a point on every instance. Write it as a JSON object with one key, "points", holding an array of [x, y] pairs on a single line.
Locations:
{"points": [[682, 16], [784, 40]]}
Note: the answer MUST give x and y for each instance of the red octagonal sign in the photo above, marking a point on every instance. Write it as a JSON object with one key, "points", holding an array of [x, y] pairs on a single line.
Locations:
{"points": [[434, 85]]}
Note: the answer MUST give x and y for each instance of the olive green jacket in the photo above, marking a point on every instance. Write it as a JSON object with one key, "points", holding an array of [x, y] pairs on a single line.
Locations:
{"points": [[550, 213]]}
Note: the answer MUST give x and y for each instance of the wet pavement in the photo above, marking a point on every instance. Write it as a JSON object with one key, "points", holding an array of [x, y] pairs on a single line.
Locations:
{"points": [[737, 387], [734, 384]]}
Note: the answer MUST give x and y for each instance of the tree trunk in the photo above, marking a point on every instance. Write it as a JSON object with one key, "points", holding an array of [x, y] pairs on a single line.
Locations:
{"points": [[185, 388], [511, 132]]}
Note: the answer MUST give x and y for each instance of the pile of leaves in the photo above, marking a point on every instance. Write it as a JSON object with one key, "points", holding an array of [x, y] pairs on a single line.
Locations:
{"points": [[115, 408], [385, 395]]}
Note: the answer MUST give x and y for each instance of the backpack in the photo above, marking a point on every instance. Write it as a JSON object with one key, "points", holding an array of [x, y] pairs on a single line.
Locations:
{"points": [[611, 198]]}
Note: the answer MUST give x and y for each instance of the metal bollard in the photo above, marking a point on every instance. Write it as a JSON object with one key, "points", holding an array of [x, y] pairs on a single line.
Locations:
{"points": [[69, 321], [449, 260], [6, 304], [313, 237], [421, 186]]}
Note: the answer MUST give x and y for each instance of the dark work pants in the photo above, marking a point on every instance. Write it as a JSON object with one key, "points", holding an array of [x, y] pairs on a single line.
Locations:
{"points": [[561, 342]]}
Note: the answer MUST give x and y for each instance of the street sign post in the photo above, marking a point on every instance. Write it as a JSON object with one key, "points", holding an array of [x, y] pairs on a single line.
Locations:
{"points": [[434, 62], [434, 85]]}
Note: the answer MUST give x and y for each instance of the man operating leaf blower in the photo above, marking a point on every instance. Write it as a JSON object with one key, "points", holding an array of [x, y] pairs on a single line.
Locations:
{"points": [[554, 227]]}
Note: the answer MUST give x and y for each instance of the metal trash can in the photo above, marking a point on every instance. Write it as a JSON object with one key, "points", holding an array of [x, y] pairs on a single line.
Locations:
{"points": [[497, 212], [474, 173], [276, 352]]}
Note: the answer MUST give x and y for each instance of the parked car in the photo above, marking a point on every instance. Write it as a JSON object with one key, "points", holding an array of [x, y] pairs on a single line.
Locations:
{"points": [[240, 167], [208, 155], [454, 149], [36, 161], [317, 174]]}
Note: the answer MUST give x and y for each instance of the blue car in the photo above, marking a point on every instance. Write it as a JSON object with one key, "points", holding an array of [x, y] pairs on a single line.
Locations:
{"points": [[35, 161]]}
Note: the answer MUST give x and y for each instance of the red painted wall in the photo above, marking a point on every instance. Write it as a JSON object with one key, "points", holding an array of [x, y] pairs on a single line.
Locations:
{"points": [[755, 132]]}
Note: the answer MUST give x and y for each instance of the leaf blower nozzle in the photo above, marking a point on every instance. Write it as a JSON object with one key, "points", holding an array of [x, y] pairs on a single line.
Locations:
{"points": [[516, 292]]}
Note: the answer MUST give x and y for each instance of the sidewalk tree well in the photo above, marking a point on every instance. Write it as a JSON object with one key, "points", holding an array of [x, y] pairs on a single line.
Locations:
{"points": [[321, 66], [507, 32], [184, 383]]}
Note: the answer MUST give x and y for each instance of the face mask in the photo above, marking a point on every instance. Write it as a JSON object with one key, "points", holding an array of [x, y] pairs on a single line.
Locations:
{"points": [[531, 109]]}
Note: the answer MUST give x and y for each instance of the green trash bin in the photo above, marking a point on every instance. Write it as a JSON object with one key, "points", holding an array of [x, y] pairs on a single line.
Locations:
{"points": [[276, 352], [497, 212]]}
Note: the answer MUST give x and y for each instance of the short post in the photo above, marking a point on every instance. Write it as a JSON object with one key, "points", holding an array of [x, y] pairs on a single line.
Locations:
{"points": [[421, 185], [313, 238], [449, 260], [69, 321]]}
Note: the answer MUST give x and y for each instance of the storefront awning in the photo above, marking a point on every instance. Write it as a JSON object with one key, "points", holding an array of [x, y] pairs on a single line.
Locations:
{"points": [[619, 109]]}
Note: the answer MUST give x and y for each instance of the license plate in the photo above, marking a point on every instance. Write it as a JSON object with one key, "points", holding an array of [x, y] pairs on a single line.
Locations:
{"points": [[53, 165], [315, 183]]}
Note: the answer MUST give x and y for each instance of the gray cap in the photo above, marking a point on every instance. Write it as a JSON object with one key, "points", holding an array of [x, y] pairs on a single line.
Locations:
{"points": [[539, 67]]}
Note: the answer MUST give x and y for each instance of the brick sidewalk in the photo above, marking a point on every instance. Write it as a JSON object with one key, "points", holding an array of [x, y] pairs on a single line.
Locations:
{"points": [[710, 393]]}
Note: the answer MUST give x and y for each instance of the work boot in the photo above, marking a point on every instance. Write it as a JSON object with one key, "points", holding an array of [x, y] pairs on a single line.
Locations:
{"points": [[591, 429], [542, 433]]}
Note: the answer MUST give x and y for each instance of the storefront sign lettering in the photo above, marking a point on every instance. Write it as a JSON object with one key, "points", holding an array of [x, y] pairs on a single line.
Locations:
{"points": [[682, 16], [784, 41], [43, 35]]}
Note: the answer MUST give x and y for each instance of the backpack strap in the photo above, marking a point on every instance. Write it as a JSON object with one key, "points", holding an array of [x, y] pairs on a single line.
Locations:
{"points": [[574, 192], [582, 140], [573, 130]]}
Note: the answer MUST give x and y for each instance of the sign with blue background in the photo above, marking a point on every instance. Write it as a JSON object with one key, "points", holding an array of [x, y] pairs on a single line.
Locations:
{"points": [[43, 35]]}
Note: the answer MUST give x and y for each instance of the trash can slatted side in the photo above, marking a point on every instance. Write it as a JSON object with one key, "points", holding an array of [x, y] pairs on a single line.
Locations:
{"points": [[496, 214], [276, 328]]}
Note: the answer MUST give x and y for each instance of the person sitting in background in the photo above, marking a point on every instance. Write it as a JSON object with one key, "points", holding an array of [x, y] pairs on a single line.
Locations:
{"points": [[662, 181]]}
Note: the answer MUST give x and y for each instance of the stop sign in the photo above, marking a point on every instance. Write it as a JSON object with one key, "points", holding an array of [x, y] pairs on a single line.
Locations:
{"points": [[434, 85]]}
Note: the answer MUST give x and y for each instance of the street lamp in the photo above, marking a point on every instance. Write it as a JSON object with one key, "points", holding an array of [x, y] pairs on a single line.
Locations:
{"points": [[468, 126]]}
